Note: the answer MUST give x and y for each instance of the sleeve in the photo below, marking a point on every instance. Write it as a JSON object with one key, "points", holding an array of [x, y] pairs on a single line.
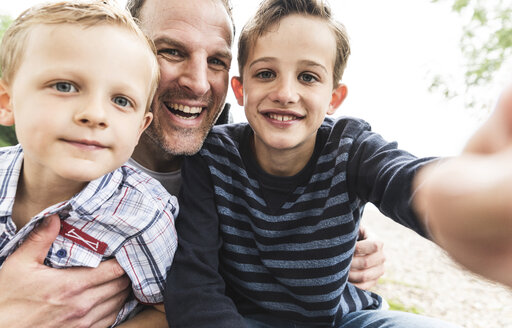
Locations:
{"points": [[382, 174], [195, 292], [147, 257]]}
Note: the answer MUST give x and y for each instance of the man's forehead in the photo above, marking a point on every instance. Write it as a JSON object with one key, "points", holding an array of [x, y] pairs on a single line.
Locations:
{"points": [[159, 15]]}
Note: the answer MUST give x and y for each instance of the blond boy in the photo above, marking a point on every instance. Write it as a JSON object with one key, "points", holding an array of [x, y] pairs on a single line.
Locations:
{"points": [[287, 190], [78, 79]]}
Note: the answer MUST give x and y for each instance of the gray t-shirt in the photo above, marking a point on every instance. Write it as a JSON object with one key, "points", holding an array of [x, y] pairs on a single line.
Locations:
{"points": [[170, 180]]}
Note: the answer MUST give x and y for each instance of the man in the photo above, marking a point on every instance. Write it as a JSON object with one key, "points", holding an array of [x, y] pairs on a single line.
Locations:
{"points": [[193, 40]]}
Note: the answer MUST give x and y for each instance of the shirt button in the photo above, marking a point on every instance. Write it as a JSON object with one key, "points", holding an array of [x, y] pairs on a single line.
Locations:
{"points": [[61, 253]]}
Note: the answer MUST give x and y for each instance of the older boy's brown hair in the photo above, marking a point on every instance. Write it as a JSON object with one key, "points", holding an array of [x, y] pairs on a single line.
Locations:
{"points": [[271, 12], [82, 13]]}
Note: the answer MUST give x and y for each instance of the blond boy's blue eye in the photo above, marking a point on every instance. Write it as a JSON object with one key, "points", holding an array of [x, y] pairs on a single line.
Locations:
{"points": [[64, 87], [121, 101]]}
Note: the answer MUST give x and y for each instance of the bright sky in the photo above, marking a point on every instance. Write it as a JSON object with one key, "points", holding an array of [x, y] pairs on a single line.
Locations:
{"points": [[397, 46]]}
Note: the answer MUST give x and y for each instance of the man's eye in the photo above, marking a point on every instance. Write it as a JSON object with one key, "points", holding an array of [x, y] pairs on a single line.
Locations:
{"points": [[307, 77], [265, 75], [64, 87], [169, 53], [217, 62], [121, 101]]}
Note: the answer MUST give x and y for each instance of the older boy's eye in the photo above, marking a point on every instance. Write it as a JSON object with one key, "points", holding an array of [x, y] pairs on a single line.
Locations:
{"points": [[307, 77], [265, 75], [121, 101], [64, 87]]}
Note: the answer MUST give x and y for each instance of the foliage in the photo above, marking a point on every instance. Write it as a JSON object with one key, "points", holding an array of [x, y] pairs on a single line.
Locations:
{"points": [[486, 42], [7, 134]]}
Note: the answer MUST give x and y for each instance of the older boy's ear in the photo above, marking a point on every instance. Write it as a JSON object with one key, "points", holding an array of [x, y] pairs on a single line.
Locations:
{"points": [[6, 114], [238, 89], [338, 95]]}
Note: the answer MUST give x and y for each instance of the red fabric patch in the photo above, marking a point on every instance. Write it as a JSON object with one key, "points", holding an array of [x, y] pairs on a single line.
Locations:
{"points": [[81, 238]]}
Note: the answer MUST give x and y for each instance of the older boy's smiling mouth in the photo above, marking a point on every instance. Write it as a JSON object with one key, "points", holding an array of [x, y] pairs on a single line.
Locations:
{"points": [[184, 111], [282, 117]]}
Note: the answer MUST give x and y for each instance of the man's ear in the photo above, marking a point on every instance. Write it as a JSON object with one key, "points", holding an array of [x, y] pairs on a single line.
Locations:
{"points": [[238, 89], [6, 114], [338, 95]]}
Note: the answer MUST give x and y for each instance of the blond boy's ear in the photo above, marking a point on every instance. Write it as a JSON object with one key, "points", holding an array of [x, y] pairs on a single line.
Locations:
{"points": [[338, 95], [146, 120], [6, 114], [238, 89]]}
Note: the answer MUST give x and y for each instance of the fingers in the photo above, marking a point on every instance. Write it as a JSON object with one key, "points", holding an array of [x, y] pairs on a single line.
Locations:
{"points": [[366, 278], [38, 243], [110, 290], [106, 272], [368, 246], [363, 262], [105, 313]]}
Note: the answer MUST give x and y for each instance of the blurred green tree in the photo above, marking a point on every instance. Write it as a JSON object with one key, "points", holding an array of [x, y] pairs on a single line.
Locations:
{"points": [[7, 134], [486, 43]]}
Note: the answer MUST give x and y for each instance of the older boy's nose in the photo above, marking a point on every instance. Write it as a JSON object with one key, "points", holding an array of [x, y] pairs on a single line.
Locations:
{"points": [[285, 91], [194, 76], [92, 114]]}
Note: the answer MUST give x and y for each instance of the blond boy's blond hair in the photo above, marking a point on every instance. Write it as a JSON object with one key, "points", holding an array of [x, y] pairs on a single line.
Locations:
{"points": [[271, 12], [83, 13]]}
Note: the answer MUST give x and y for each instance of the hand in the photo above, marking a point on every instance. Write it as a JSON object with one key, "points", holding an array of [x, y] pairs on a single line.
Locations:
{"points": [[36, 295], [368, 261]]}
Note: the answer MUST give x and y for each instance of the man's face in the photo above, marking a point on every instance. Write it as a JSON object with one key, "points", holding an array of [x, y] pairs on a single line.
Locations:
{"points": [[193, 40]]}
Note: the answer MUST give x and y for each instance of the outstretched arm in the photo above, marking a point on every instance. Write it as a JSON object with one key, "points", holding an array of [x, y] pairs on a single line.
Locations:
{"points": [[466, 201], [33, 293]]}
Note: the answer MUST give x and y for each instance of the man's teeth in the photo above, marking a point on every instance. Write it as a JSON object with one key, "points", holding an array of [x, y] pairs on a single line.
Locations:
{"points": [[282, 118], [190, 111]]}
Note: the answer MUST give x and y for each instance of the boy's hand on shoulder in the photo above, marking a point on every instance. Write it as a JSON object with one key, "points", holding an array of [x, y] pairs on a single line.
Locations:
{"points": [[33, 293]]}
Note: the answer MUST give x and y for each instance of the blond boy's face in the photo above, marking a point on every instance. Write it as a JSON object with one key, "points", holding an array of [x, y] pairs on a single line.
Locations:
{"points": [[288, 85], [78, 100]]}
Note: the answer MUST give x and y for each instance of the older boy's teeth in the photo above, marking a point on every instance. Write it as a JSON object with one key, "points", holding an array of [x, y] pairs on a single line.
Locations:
{"points": [[282, 118]]}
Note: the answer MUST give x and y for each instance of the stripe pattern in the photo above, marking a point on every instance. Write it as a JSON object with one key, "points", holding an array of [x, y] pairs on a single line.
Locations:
{"points": [[292, 261]]}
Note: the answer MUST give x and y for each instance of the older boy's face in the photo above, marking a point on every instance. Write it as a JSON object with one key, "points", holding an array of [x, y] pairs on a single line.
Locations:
{"points": [[288, 85], [79, 100], [193, 39]]}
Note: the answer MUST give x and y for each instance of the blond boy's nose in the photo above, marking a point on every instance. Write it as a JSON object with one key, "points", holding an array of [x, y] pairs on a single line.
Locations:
{"points": [[92, 114]]}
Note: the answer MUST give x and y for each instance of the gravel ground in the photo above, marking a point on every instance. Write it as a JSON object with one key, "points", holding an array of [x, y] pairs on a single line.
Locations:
{"points": [[421, 277]]}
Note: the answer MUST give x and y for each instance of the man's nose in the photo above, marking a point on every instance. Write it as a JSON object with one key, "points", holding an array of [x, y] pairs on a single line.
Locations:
{"points": [[194, 76]]}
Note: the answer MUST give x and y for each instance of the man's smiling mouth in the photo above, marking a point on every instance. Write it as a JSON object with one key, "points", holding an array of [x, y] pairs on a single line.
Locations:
{"points": [[184, 112]]}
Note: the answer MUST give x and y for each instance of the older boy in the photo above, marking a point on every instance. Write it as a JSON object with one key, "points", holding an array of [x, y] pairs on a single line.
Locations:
{"points": [[79, 109], [287, 190]]}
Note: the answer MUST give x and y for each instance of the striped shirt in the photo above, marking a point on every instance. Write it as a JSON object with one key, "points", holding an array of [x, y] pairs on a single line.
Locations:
{"points": [[124, 214], [285, 243]]}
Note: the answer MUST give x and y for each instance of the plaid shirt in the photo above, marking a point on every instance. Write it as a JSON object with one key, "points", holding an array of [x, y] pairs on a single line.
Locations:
{"points": [[124, 214]]}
